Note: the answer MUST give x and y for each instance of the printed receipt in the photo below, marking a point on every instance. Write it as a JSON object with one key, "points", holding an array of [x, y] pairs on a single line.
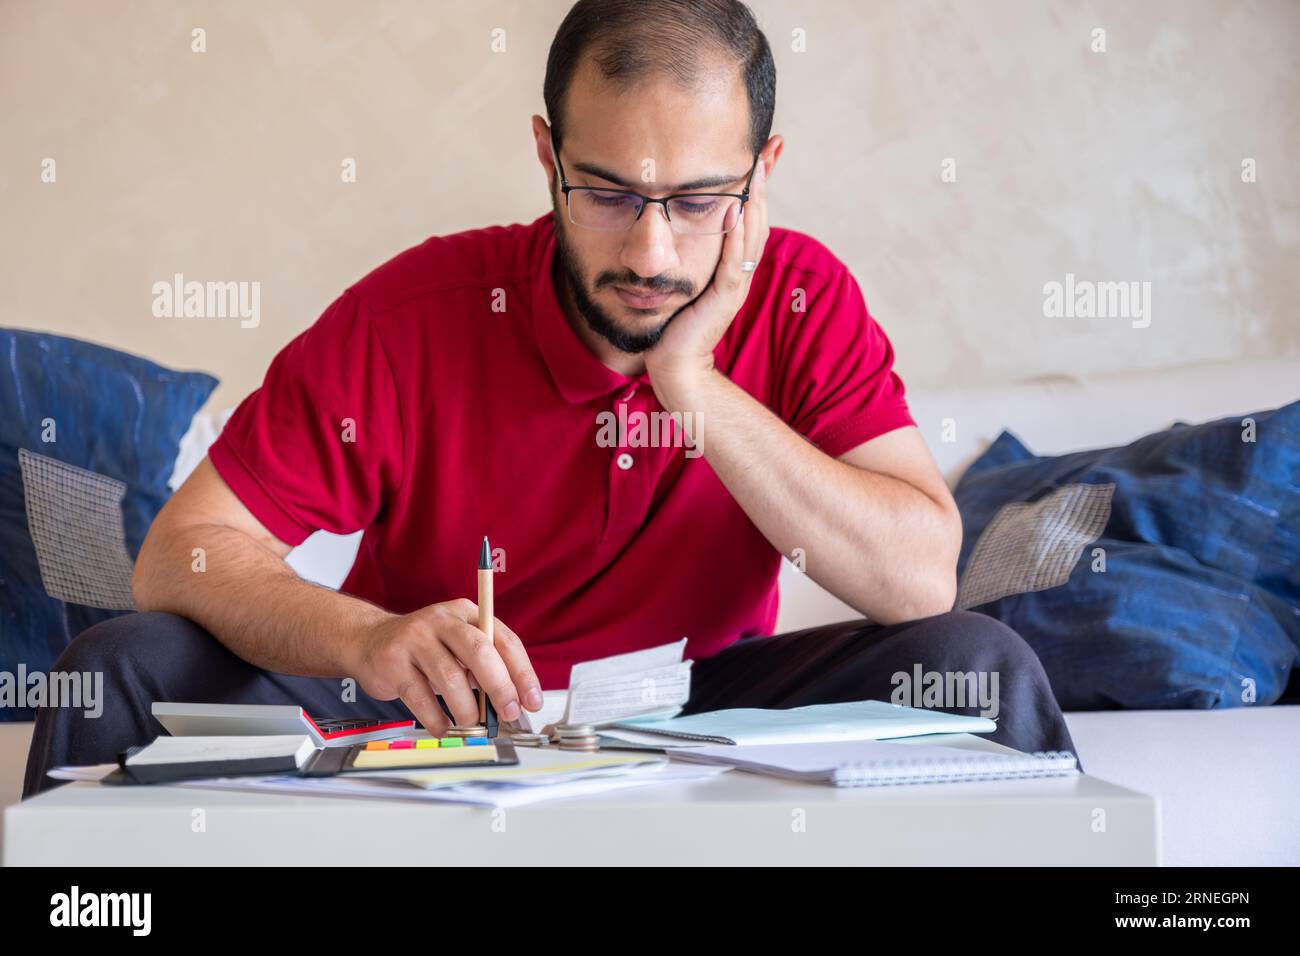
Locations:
{"points": [[654, 682]]}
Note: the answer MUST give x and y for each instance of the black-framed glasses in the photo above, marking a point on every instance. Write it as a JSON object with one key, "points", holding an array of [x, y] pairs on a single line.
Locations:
{"points": [[614, 210]]}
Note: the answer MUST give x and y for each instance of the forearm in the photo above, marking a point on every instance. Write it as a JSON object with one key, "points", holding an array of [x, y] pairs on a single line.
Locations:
{"points": [[879, 544], [252, 601]]}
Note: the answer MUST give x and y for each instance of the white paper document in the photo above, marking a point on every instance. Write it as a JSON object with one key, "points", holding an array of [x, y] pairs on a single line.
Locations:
{"points": [[542, 774], [478, 793], [655, 682]]}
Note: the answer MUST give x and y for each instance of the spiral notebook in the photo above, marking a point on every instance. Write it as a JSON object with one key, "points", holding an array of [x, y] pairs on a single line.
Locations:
{"points": [[874, 763]]}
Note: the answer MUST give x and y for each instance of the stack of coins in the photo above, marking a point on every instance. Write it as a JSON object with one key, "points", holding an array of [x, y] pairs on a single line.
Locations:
{"points": [[521, 739], [466, 730], [581, 737]]}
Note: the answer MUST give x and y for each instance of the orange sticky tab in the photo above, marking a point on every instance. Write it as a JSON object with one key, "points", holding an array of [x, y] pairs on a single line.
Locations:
{"points": [[377, 745]]}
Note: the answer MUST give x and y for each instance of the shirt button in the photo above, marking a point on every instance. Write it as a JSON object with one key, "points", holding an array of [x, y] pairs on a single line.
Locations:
{"points": [[625, 461]]}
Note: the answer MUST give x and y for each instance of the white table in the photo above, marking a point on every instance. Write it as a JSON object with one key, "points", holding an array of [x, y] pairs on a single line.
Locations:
{"points": [[733, 819]]}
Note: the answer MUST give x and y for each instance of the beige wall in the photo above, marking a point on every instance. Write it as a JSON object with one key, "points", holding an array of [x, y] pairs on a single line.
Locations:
{"points": [[1123, 165]]}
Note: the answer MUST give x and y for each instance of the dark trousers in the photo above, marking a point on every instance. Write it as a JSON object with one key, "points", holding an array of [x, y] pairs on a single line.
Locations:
{"points": [[154, 656]]}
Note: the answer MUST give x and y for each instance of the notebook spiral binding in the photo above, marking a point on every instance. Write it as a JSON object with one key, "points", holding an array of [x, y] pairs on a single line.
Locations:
{"points": [[884, 773]]}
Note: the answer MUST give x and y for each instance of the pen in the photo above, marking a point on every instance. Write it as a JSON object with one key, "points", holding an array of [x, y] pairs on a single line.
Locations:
{"points": [[485, 615]]}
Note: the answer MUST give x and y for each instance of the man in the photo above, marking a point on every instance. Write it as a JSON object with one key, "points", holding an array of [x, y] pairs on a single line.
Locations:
{"points": [[466, 387]]}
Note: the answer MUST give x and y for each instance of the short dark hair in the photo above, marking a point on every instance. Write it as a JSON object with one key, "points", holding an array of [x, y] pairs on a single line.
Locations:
{"points": [[631, 39]]}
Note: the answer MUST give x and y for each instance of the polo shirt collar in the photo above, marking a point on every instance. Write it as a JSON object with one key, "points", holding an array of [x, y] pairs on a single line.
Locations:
{"points": [[578, 374]]}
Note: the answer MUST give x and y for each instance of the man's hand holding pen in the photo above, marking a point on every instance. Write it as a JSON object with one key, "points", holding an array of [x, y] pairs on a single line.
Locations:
{"points": [[441, 650]]}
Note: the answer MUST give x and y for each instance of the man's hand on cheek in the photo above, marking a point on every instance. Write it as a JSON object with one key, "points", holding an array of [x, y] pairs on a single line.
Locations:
{"points": [[683, 357]]}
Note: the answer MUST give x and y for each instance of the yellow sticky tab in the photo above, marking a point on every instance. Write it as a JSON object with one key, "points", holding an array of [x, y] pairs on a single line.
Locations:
{"points": [[416, 757], [424, 743]]}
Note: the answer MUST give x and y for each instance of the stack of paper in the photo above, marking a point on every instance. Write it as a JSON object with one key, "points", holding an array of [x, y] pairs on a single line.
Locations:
{"points": [[542, 774], [293, 749], [650, 683]]}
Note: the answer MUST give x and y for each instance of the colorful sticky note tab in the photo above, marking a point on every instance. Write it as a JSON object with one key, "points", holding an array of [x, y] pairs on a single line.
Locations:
{"points": [[476, 741], [403, 745], [424, 743], [451, 741], [377, 745]]}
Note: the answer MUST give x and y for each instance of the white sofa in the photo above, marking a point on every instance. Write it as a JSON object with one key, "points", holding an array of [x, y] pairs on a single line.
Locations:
{"points": [[1227, 780]]}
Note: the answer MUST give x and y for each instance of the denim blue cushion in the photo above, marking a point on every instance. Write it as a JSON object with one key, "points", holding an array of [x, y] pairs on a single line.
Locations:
{"points": [[88, 440], [1161, 574]]}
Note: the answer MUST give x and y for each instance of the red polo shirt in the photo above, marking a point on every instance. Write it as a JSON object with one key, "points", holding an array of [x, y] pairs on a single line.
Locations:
{"points": [[445, 396]]}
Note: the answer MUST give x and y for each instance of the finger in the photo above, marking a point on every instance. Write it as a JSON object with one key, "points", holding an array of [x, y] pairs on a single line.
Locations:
{"points": [[477, 652], [446, 674], [515, 655], [417, 694], [756, 217], [464, 611], [510, 650], [727, 277], [734, 252]]}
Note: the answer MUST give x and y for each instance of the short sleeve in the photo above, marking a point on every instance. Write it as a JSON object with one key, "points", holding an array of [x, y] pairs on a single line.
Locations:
{"points": [[838, 387], [319, 445]]}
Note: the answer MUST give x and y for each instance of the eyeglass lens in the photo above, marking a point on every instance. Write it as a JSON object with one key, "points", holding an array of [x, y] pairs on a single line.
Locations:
{"points": [[615, 211]]}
